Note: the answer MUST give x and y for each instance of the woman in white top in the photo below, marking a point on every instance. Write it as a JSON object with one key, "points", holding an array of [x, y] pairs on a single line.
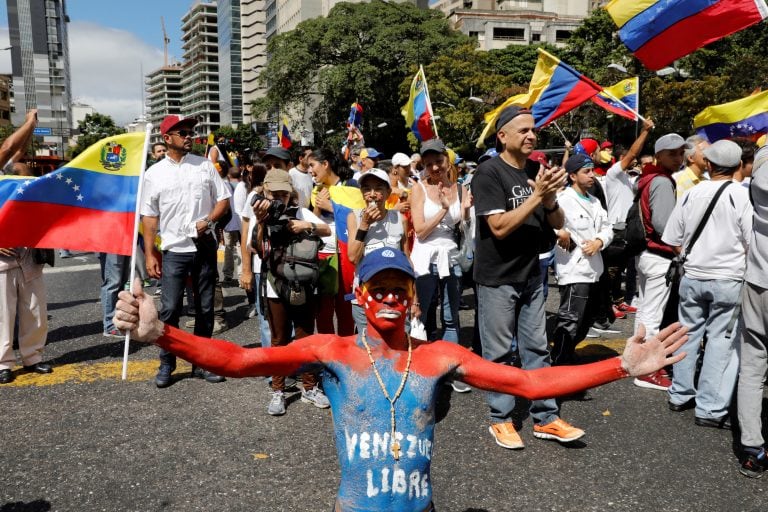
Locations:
{"points": [[438, 205], [373, 228], [328, 170]]}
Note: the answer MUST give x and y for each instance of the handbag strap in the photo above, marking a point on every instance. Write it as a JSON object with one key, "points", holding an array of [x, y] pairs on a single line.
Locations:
{"points": [[705, 218]]}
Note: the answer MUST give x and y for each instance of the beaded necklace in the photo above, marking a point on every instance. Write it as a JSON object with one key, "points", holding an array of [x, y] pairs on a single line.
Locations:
{"points": [[395, 444]]}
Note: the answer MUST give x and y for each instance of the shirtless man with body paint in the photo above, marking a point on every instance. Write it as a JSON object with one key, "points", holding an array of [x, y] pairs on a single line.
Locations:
{"points": [[383, 385]]}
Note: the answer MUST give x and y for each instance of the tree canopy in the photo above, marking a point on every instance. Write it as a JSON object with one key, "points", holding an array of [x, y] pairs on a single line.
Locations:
{"points": [[369, 52], [92, 129]]}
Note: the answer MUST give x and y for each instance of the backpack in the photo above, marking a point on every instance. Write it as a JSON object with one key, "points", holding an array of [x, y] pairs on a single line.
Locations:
{"points": [[634, 234], [293, 266]]}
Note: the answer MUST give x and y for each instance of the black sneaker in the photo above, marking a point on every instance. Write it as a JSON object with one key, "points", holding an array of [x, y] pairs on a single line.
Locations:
{"points": [[163, 377], [754, 464]]}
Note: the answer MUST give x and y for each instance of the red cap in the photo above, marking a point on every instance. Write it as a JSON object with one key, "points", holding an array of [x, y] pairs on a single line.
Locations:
{"points": [[540, 157], [589, 145], [172, 121], [606, 144]]}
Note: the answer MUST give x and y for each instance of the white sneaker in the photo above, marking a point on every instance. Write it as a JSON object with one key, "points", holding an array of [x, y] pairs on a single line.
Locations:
{"points": [[252, 311], [316, 397], [460, 387], [592, 333], [276, 406]]}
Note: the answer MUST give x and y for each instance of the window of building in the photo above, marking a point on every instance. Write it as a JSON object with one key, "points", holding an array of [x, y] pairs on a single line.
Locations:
{"points": [[509, 34], [535, 37], [562, 36], [474, 34]]}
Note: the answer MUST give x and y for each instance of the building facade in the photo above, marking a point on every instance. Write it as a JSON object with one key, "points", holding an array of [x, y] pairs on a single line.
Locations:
{"points": [[200, 72], [5, 100], [229, 18], [40, 64], [253, 43], [163, 90]]}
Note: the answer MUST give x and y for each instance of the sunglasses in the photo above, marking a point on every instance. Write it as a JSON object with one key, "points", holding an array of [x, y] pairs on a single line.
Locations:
{"points": [[183, 133]]}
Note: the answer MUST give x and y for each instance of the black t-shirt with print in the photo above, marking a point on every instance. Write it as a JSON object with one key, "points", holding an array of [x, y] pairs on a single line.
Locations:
{"points": [[499, 187]]}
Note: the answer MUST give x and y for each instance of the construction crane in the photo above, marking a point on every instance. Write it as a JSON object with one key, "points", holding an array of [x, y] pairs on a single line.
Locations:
{"points": [[166, 42]]}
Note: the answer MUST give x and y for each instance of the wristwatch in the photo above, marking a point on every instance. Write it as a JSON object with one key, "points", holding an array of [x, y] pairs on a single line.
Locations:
{"points": [[211, 224]]}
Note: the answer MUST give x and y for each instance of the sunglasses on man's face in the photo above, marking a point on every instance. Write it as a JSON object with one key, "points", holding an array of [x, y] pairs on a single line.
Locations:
{"points": [[183, 133]]}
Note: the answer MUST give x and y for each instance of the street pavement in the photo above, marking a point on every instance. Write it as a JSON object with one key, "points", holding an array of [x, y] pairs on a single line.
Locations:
{"points": [[81, 439]]}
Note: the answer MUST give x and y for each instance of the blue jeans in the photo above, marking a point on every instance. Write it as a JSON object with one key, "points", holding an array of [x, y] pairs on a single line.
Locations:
{"points": [[503, 331], [115, 272], [428, 288], [265, 336], [708, 307], [544, 264], [201, 266]]}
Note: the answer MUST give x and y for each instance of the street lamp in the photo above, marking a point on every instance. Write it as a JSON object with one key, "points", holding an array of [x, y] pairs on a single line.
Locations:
{"points": [[671, 70], [381, 125], [477, 100], [444, 103]]}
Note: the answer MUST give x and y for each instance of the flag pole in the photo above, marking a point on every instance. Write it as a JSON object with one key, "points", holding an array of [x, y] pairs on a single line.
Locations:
{"points": [[554, 123], [617, 100], [135, 240], [429, 101]]}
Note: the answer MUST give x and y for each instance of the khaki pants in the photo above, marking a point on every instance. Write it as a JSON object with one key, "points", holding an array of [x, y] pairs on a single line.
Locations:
{"points": [[30, 301]]}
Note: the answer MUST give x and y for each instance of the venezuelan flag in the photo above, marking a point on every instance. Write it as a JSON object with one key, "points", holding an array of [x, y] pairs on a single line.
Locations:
{"points": [[344, 199], [660, 31], [555, 89], [88, 205], [284, 135], [628, 91], [355, 115], [747, 117], [418, 111]]}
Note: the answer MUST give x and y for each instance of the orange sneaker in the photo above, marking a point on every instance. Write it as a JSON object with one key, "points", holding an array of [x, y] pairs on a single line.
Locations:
{"points": [[506, 435], [558, 430]]}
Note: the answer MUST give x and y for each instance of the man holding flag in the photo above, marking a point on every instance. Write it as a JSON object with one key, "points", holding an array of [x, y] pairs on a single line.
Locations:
{"points": [[184, 196]]}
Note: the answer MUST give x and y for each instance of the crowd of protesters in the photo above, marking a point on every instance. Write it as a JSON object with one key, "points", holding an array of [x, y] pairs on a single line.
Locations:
{"points": [[702, 209]]}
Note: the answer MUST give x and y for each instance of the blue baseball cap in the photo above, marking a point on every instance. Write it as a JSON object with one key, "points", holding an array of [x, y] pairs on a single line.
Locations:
{"points": [[491, 153], [383, 259]]}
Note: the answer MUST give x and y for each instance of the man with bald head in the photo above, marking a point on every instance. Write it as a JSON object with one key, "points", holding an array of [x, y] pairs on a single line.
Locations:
{"points": [[516, 211]]}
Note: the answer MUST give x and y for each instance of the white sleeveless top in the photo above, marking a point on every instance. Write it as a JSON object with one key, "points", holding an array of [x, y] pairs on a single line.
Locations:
{"points": [[439, 246]]}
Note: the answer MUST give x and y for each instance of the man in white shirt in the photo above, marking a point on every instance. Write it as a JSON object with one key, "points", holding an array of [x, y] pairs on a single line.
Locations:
{"points": [[183, 197], [710, 290], [301, 179]]}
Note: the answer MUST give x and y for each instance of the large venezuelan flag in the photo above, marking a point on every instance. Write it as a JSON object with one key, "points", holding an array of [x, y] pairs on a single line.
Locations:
{"points": [[88, 205], [628, 91], [418, 111], [747, 117], [555, 89], [660, 31]]}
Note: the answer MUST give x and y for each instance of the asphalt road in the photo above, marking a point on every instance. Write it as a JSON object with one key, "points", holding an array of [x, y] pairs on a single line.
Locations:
{"points": [[81, 439]]}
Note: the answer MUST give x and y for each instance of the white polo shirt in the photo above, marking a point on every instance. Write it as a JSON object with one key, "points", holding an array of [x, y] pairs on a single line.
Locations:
{"points": [[720, 251], [619, 193], [180, 194]]}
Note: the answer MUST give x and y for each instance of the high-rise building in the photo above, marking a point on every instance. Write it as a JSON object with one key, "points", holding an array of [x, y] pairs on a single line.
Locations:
{"points": [[200, 72], [230, 62], [163, 87], [5, 100], [40, 64], [253, 34]]}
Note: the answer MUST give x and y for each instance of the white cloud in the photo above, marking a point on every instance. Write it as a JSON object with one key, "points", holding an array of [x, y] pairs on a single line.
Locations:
{"points": [[107, 66]]}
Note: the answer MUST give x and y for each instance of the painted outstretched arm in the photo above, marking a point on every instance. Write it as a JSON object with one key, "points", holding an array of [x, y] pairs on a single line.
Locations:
{"points": [[137, 313], [641, 356]]}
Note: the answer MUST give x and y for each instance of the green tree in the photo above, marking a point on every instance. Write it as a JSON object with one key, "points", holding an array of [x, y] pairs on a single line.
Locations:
{"points": [[92, 129], [242, 139], [359, 52]]}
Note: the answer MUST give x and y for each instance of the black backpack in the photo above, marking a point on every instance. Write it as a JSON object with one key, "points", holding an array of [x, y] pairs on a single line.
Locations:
{"points": [[634, 234], [293, 266]]}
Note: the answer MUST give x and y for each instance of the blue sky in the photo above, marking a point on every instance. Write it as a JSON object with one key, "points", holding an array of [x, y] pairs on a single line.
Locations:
{"points": [[111, 43]]}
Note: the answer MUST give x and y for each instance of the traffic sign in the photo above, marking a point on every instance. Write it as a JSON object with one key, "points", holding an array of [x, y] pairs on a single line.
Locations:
{"points": [[43, 131]]}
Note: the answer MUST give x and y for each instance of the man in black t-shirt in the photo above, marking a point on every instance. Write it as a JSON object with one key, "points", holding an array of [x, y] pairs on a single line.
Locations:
{"points": [[514, 215]]}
